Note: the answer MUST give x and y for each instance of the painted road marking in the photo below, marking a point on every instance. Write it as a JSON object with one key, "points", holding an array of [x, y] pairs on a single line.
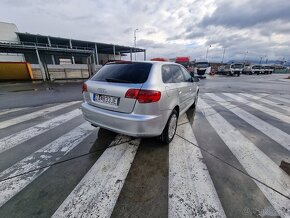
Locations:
{"points": [[191, 190], [280, 98], [7, 111], [32, 115], [284, 107], [24, 135], [266, 110], [253, 160], [44, 156], [272, 132], [98, 191]]}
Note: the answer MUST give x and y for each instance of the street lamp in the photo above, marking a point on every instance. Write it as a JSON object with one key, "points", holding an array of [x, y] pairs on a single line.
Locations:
{"points": [[262, 58], [245, 56], [207, 51], [224, 51], [135, 41]]}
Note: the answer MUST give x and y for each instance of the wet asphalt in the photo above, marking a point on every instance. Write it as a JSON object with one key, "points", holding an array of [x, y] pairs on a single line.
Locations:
{"points": [[145, 190]]}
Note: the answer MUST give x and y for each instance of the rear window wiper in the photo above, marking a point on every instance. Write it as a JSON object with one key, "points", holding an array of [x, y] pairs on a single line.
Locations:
{"points": [[117, 80]]}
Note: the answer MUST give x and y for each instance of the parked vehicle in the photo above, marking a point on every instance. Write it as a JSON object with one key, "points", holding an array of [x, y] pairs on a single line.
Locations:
{"points": [[235, 69], [202, 68], [185, 61], [159, 59], [140, 99], [268, 69], [231, 69], [253, 69], [221, 70]]}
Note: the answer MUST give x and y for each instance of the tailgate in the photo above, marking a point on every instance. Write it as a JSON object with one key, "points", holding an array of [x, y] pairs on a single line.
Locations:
{"points": [[110, 96]]}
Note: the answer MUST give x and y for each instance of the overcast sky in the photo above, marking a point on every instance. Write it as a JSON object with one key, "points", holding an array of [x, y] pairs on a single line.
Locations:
{"points": [[167, 28]]}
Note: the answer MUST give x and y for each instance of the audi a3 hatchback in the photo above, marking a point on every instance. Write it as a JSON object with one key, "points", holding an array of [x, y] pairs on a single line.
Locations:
{"points": [[139, 99]]}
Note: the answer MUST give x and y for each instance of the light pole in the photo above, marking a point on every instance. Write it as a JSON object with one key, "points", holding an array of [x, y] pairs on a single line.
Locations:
{"points": [[223, 55], [207, 51], [262, 58], [245, 56], [135, 41]]}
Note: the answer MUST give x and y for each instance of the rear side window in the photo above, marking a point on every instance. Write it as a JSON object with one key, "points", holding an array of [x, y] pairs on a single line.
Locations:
{"points": [[166, 74], [172, 74], [177, 74], [187, 76], [123, 73]]}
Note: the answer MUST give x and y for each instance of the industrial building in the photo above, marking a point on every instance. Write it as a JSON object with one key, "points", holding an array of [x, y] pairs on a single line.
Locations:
{"points": [[51, 58]]}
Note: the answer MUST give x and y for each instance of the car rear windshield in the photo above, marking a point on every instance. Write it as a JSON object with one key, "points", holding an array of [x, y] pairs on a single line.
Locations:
{"points": [[123, 73]]}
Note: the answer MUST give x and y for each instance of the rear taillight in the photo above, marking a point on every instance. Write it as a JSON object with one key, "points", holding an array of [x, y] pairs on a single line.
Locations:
{"points": [[132, 93], [143, 96], [85, 88]]}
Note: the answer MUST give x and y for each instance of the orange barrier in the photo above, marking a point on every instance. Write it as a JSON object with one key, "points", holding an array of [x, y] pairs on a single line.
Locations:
{"points": [[15, 71]]}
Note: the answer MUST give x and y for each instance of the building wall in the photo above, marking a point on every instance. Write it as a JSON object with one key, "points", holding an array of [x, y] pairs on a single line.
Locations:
{"points": [[8, 35], [103, 58], [65, 71], [15, 71]]}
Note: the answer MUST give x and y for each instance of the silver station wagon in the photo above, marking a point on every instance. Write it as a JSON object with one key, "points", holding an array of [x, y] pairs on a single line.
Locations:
{"points": [[139, 99]]}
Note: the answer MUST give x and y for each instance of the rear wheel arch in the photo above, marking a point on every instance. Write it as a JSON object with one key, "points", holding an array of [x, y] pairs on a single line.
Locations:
{"points": [[166, 136], [177, 109]]}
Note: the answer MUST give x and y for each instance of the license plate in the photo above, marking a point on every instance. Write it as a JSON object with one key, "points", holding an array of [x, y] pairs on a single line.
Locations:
{"points": [[104, 99]]}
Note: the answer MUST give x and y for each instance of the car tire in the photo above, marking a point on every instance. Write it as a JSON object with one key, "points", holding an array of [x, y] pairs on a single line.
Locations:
{"points": [[170, 128]]}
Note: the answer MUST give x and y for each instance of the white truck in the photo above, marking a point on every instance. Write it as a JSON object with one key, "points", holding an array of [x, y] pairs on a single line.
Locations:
{"points": [[253, 69], [201, 68], [268, 69], [233, 69]]}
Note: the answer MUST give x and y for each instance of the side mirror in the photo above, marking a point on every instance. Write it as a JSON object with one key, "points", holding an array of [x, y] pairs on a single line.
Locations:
{"points": [[195, 79]]}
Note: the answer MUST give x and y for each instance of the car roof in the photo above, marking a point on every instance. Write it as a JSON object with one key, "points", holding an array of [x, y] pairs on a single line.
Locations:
{"points": [[151, 62]]}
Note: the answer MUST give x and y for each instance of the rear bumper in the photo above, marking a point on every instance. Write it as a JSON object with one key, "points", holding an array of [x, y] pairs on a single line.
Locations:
{"points": [[135, 125]]}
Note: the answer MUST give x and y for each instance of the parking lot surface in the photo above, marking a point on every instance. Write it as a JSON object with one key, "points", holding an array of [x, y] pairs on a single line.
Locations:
{"points": [[223, 162]]}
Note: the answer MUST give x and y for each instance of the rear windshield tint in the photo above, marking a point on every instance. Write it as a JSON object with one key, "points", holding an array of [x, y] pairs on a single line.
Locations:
{"points": [[123, 73]]}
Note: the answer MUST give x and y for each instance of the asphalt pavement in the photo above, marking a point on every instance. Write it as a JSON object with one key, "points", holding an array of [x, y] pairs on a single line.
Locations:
{"points": [[223, 162]]}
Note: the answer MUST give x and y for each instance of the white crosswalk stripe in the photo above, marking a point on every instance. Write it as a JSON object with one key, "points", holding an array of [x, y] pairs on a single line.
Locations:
{"points": [[191, 190], [254, 161], [279, 98], [33, 115], [95, 196], [266, 110], [7, 111], [24, 135], [274, 133], [44, 156], [284, 107]]}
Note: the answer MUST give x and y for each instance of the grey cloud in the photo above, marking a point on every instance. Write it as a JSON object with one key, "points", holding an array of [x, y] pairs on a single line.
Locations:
{"points": [[128, 30], [248, 14], [150, 44], [261, 27]]}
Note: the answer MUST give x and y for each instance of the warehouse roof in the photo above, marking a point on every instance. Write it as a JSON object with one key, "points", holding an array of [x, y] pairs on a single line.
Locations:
{"points": [[43, 40]]}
